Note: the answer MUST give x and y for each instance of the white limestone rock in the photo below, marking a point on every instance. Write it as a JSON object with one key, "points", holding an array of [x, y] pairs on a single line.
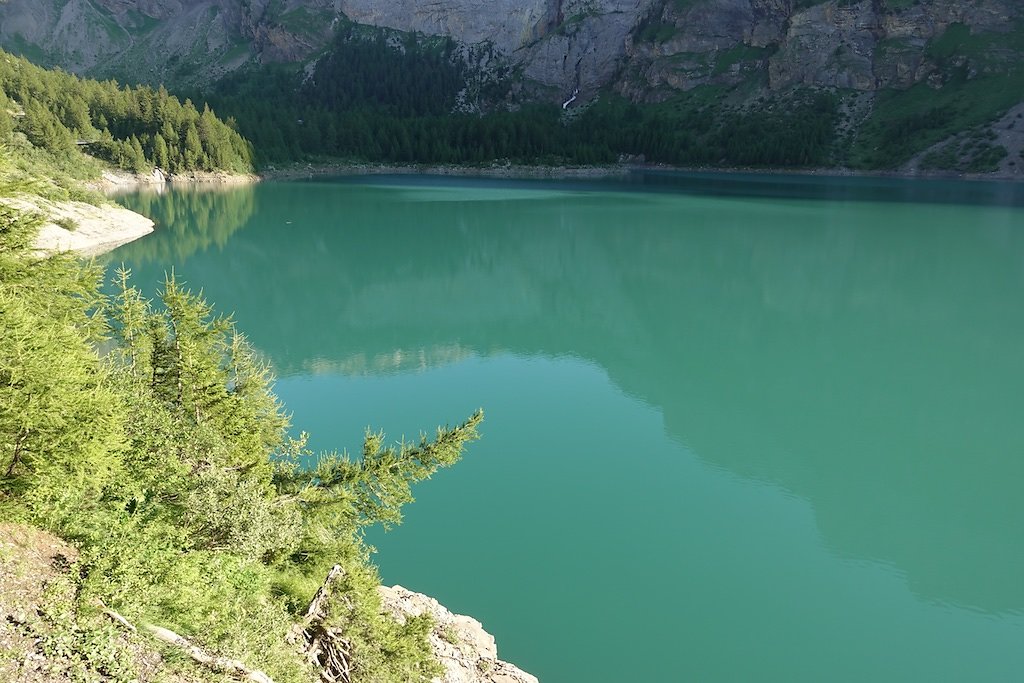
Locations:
{"points": [[467, 652]]}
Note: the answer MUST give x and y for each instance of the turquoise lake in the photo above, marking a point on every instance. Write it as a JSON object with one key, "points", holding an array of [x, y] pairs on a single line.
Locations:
{"points": [[738, 428]]}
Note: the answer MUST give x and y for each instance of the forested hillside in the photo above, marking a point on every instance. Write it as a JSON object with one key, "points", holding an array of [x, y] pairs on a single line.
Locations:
{"points": [[135, 128], [383, 96]]}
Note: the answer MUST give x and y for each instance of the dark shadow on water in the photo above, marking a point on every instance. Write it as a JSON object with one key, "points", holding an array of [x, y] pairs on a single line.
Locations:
{"points": [[740, 185], [835, 188]]}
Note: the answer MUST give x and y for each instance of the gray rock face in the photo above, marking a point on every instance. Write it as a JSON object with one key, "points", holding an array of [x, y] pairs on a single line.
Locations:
{"points": [[693, 41], [561, 44], [466, 651], [646, 48], [865, 47], [68, 29], [587, 47], [828, 44], [837, 43], [151, 38], [507, 24]]}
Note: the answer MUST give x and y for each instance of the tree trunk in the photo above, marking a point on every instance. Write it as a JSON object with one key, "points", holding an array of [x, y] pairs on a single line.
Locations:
{"points": [[198, 654], [324, 647], [18, 448]]}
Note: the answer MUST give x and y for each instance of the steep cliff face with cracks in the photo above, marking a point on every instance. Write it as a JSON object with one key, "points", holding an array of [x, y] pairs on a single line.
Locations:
{"points": [[868, 45], [648, 49]]}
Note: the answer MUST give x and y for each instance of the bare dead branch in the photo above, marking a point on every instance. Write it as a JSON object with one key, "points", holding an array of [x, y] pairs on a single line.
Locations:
{"points": [[198, 654]]}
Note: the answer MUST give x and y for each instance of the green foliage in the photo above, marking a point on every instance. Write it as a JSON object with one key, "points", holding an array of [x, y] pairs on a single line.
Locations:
{"points": [[79, 644], [56, 177], [906, 122], [897, 5], [66, 222], [58, 415], [167, 460], [7, 112], [792, 131], [364, 68], [135, 128], [973, 153], [390, 651], [303, 21], [655, 30], [683, 5], [374, 488], [361, 99], [738, 54]]}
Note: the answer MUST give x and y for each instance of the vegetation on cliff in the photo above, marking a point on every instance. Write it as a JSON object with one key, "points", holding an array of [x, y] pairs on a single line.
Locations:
{"points": [[381, 95], [147, 434]]}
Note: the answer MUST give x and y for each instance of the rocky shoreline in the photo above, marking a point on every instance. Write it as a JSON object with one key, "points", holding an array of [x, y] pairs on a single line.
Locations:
{"points": [[113, 182], [90, 230], [87, 229], [495, 170], [98, 229], [467, 652], [506, 170]]}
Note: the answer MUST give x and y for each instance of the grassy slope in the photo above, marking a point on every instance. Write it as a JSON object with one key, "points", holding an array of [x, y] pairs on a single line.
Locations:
{"points": [[979, 86]]}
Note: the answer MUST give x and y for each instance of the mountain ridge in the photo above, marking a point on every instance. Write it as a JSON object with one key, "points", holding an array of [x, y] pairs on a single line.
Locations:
{"points": [[558, 44], [947, 69]]}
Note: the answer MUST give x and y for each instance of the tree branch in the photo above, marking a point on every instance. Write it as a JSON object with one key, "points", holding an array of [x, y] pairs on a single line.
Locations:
{"points": [[19, 444], [198, 654], [214, 662]]}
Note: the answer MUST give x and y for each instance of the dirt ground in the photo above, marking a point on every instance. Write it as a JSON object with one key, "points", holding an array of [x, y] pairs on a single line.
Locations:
{"points": [[30, 560], [37, 571]]}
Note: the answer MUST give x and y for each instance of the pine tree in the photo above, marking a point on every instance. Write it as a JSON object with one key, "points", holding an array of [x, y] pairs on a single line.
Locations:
{"points": [[6, 116], [193, 148], [60, 435], [160, 153]]}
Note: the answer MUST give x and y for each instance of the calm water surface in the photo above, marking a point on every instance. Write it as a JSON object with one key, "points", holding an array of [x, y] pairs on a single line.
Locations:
{"points": [[738, 429]]}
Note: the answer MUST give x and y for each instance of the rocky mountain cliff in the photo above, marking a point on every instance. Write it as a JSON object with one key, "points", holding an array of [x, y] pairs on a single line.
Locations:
{"points": [[748, 53], [646, 48], [867, 45], [177, 41]]}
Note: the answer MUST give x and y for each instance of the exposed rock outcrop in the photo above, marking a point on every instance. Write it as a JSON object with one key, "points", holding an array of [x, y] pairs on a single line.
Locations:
{"points": [[867, 45], [587, 46], [507, 24], [178, 41], [460, 643], [831, 44], [81, 227]]}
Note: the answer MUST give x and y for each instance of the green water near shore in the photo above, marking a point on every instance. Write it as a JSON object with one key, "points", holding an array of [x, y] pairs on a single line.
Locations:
{"points": [[762, 429]]}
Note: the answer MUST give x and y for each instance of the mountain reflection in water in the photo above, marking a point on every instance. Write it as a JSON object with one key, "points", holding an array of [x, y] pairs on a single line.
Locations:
{"points": [[863, 355]]}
